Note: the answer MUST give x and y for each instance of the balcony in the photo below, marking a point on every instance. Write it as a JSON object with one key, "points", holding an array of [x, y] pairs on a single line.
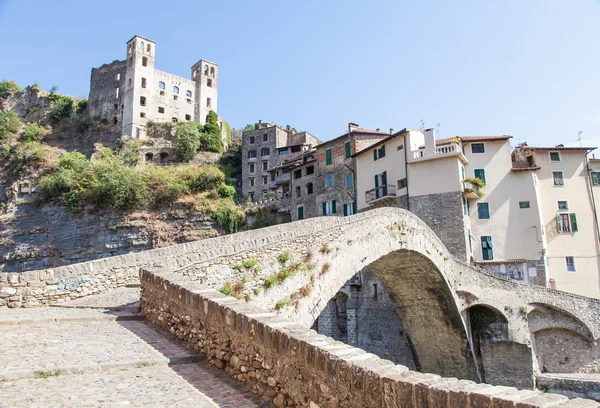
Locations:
{"points": [[472, 188], [452, 149], [284, 178], [379, 193]]}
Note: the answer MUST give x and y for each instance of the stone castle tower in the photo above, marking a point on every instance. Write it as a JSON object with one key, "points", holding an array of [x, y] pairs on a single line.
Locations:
{"points": [[130, 93]]}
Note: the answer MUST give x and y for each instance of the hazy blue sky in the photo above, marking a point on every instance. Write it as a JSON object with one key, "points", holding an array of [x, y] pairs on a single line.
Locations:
{"points": [[527, 68]]}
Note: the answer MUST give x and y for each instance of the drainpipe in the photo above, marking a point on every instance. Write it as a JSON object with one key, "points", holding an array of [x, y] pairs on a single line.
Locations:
{"points": [[587, 166], [406, 171]]}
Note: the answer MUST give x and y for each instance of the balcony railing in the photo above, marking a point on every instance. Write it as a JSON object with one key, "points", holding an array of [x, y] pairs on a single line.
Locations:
{"points": [[380, 192], [283, 178], [450, 149]]}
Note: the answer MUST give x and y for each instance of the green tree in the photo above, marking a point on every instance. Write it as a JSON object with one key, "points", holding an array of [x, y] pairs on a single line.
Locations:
{"points": [[248, 127], [62, 106], [186, 141], [9, 124], [8, 88], [210, 136]]}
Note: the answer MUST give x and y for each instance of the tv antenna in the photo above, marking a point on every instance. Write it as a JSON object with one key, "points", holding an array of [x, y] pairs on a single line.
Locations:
{"points": [[438, 129], [422, 124], [579, 137]]}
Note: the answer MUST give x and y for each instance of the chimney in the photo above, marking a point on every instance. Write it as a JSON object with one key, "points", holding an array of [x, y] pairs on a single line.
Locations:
{"points": [[377, 129], [391, 131], [560, 145], [352, 126]]}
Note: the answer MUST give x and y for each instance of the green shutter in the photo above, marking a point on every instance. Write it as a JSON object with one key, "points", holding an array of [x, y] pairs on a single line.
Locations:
{"points": [[354, 207], [595, 178], [345, 210], [384, 180], [375, 154], [348, 149], [573, 222], [382, 151], [480, 174], [376, 181], [333, 210], [328, 158], [300, 213], [558, 223], [324, 208]]}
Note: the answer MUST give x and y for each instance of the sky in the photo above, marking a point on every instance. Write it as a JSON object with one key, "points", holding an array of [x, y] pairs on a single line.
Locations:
{"points": [[530, 69]]}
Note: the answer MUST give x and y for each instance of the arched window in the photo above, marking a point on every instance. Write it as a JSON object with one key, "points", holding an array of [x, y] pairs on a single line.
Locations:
{"points": [[188, 94], [164, 157], [148, 48], [206, 70], [175, 89], [144, 61], [298, 192], [309, 188], [149, 157], [264, 151], [161, 85], [142, 45], [212, 72]]}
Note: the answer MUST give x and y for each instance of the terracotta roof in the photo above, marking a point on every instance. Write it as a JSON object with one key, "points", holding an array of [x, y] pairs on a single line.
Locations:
{"points": [[559, 148], [382, 141], [357, 130], [473, 139]]}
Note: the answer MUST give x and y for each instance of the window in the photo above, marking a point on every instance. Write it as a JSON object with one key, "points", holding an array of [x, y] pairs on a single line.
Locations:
{"points": [[148, 47], [297, 174], [265, 180], [300, 213], [524, 204], [212, 72], [402, 183], [296, 149], [174, 120], [208, 102], [310, 170], [188, 117], [554, 156], [175, 97], [116, 106], [251, 167], [251, 139], [251, 195], [465, 205], [130, 82], [115, 120], [142, 115], [566, 222], [595, 178], [266, 137], [477, 148], [161, 110], [251, 182], [400, 147], [209, 82], [251, 154], [350, 209], [188, 94], [480, 174], [143, 100], [309, 188], [118, 77], [161, 85], [379, 153], [570, 263], [487, 249], [381, 188], [329, 207], [143, 82], [298, 192], [348, 149], [284, 151], [328, 157], [144, 61], [329, 180], [175, 89], [563, 205], [483, 211], [116, 92], [349, 181], [264, 151], [265, 165], [557, 177]]}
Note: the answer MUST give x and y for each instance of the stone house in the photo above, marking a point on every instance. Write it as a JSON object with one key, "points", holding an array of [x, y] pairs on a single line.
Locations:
{"points": [[131, 93]]}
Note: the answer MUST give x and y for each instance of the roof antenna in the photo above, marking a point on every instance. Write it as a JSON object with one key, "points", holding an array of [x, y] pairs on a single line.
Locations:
{"points": [[438, 130], [579, 137], [422, 124]]}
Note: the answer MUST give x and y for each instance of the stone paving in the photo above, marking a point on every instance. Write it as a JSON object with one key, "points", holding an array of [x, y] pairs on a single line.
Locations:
{"points": [[82, 357]]}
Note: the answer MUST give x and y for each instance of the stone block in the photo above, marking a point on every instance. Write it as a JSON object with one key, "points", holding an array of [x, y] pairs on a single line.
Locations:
{"points": [[542, 401]]}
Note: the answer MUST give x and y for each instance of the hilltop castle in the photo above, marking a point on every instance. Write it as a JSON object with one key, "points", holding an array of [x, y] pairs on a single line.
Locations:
{"points": [[130, 93]]}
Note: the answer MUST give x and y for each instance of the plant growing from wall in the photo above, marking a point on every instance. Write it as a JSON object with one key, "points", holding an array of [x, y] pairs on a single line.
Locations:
{"points": [[284, 274], [325, 249], [475, 186], [8, 88], [284, 257], [271, 281], [9, 124], [33, 133], [325, 268], [308, 256], [280, 304]]}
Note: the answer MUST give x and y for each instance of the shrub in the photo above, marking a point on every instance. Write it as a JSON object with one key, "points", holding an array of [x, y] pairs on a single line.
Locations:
{"points": [[33, 132], [8, 88], [210, 135], [226, 191], [228, 217], [74, 161], [62, 107], [207, 178], [130, 152], [81, 105], [9, 124], [186, 141], [226, 289]]}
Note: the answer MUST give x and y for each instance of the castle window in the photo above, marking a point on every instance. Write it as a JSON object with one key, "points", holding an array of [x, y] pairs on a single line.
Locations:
{"points": [[209, 82], [116, 92], [266, 137], [115, 120], [149, 157], [298, 192], [188, 117], [174, 120], [194, 73], [129, 49], [208, 102], [309, 188], [161, 110], [175, 97], [162, 93], [212, 72], [188, 94], [164, 156], [161, 84], [142, 45], [142, 115], [144, 61], [189, 100], [206, 70], [175, 90], [143, 82], [143, 100], [130, 82], [264, 151], [148, 48], [118, 77], [116, 106]]}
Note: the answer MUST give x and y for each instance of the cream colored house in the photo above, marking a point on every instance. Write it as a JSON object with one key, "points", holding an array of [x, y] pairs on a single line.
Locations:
{"points": [[522, 224]]}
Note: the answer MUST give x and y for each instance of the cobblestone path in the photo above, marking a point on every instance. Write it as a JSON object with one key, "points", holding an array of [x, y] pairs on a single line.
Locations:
{"points": [[84, 355]]}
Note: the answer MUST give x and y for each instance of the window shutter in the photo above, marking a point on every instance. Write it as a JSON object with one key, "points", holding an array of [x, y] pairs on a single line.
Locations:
{"points": [[594, 178], [354, 207], [384, 180], [324, 208], [558, 223], [333, 211], [348, 149], [573, 222], [376, 181], [375, 154], [328, 158], [345, 210], [480, 174], [382, 151]]}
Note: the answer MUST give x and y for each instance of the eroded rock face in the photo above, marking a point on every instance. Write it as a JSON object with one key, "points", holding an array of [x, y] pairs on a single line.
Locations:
{"points": [[30, 104]]}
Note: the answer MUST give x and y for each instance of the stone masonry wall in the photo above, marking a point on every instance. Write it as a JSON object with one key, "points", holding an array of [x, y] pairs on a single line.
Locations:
{"points": [[288, 365]]}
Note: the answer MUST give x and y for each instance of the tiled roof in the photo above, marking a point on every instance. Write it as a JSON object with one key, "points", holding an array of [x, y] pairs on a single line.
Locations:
{"points": [[560, 148], [357, 130], [473, 139]]}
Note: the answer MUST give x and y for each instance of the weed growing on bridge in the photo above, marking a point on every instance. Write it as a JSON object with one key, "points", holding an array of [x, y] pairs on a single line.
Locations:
{"points": [[284, 274], [523, 311], [232, 289], [271, 281], [308, 257], [257, 291], [46, 374], [280, 304], [248, 265], [226, 289], [325, 249], [508, 309], [284, 258], [325, 268]]}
